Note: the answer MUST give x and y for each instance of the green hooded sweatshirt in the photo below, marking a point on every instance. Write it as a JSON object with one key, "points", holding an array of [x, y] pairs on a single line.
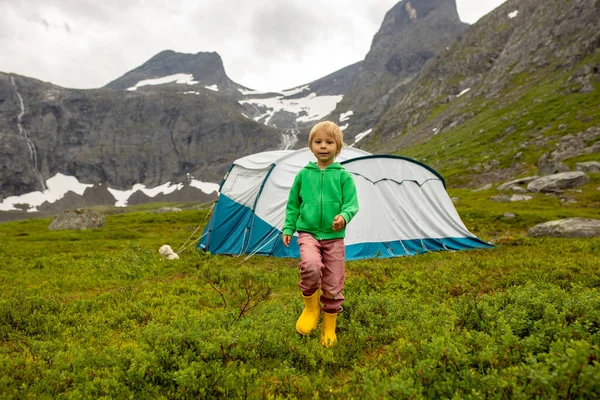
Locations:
{"points": [[316, 197]]}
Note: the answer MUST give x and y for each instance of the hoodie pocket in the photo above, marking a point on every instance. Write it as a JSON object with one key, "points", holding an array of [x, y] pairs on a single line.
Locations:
{"points": [[330, 210], [310, 217]]}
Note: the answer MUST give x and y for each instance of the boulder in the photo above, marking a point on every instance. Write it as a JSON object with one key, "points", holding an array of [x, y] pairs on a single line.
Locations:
{"points": [[567, 228], [517, 182], [78, 219], [595, 148], [519, 197], [548, 166], [500, 199], [569, 146], [485, 187], [589, 166], [553, 183]]}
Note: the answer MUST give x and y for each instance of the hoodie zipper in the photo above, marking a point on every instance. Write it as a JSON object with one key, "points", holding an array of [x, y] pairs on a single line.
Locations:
{"points": [[322, 206]]}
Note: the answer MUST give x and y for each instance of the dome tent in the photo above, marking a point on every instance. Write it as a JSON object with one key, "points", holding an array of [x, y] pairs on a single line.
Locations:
{"points": [[404, 207]]}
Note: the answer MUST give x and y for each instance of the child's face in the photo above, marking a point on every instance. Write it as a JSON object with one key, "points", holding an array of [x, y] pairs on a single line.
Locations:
{"points": [[324, 148]]}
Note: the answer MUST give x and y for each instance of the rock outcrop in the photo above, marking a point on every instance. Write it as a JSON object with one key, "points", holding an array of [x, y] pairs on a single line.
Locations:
{"points": [[588, 166], [79, 220], [516, 183], [119, 138], [557, 182], [412, 33], [567, 228]]}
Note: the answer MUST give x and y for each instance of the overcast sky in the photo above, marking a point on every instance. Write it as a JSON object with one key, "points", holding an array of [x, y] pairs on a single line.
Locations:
{"points": [[264, 44]]}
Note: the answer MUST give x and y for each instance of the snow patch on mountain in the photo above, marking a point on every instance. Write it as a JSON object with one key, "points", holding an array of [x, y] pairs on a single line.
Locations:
{"points": [[57, 187], [166, 188], [309, 108], [293, 91], [247, 92], [346, 116], [358, 137], [60, 184], [123, 195], [187, 79]]}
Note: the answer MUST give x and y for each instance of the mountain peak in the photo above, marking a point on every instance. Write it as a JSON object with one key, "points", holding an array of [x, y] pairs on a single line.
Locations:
{"points": [[404, 15], [205, 68], [412, 33], [188, 57]]}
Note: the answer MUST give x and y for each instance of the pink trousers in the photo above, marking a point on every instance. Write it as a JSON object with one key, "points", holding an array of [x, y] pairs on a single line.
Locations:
{"points": [[322, 266]]}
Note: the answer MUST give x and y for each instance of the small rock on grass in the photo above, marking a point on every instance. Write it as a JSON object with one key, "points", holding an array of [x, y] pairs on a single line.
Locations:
{"points": [[567, 228]]}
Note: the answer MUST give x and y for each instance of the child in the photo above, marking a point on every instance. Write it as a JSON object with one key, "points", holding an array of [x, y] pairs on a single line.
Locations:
{"points": [[322, 201]]}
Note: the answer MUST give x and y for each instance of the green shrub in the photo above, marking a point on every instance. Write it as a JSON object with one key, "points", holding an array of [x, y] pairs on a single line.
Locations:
{"points": [[107, 316]]}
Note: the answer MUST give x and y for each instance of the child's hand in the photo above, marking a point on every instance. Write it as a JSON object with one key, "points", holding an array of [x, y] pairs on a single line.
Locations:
{"points": [[338, 223], [286, 240]]}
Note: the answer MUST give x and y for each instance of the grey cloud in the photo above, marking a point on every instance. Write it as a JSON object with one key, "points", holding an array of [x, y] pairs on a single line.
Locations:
{"points": [[105, 10], [259, 40], [283, 26], [101, 11]]}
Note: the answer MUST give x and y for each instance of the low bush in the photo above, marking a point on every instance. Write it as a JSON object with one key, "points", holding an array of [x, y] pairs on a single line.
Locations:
{"points": [[111, 318]]}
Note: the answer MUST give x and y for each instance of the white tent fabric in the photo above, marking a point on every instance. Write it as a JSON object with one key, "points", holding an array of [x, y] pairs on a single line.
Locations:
{"points": [[403, 199], [404, 207]]}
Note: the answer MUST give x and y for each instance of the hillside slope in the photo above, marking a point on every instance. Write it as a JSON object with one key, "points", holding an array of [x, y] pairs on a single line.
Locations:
{"points": [[520, 80]]}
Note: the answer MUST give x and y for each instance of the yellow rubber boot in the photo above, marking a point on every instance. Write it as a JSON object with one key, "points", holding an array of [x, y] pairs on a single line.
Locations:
{"points": [[328, 337], [310, 315]]}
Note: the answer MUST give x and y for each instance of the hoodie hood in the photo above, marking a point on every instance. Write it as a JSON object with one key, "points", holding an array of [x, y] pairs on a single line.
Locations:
{"points": [[313, 165]]}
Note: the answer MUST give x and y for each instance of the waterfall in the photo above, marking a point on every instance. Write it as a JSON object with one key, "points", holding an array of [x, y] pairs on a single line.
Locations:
{"points": [[23, 133], [289, 139]]}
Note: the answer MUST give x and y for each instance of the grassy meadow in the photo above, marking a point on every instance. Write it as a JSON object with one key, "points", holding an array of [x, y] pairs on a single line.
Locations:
{"points": [[99, 314]]}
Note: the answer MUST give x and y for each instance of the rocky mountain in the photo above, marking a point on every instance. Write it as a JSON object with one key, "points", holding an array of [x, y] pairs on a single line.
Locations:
{"points": [[516, 93], [295, 110], [174, 110], [288, 110], [206, 70], [412, 34], [161, 122], [119, 138], [336, 83], [516, 83]]}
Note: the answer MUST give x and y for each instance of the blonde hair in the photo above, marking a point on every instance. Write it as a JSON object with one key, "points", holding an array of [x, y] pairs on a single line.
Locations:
{"points": [[331, 130]]}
